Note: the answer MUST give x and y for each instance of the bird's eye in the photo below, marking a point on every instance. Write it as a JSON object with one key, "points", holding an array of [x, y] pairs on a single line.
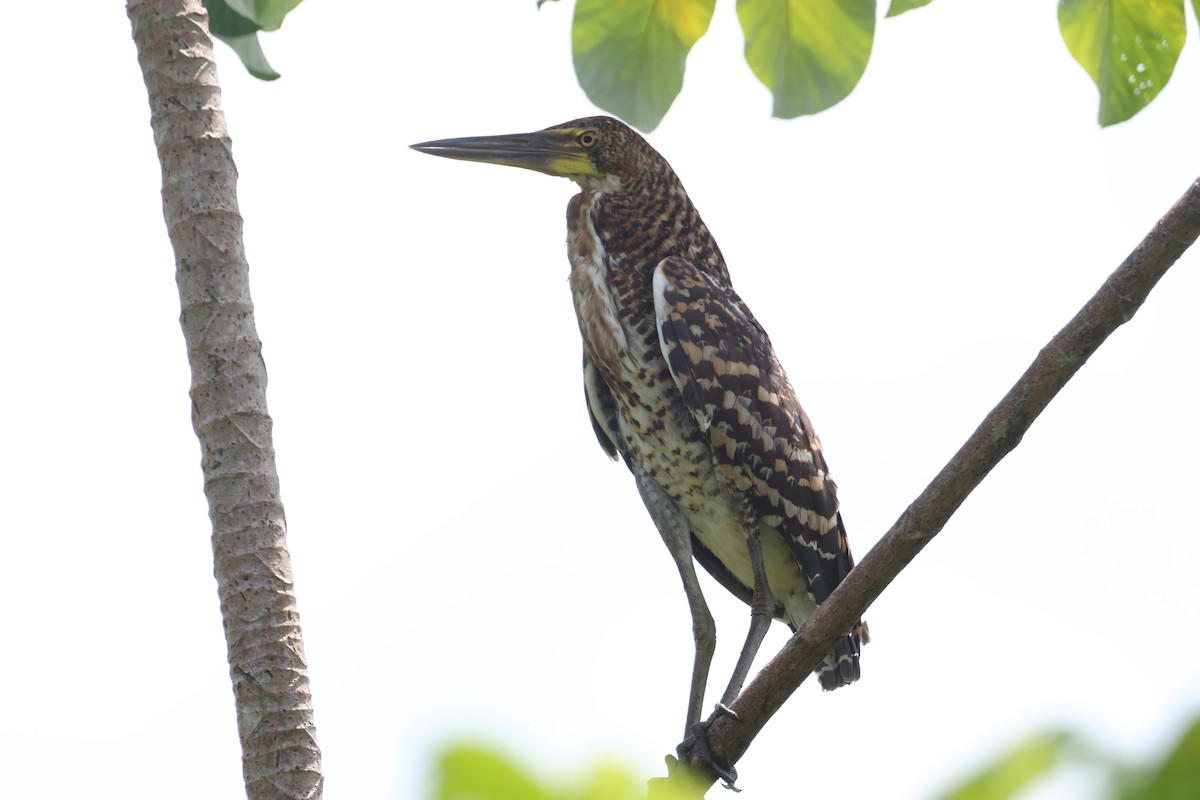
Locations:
{"points": [[588, 139]]}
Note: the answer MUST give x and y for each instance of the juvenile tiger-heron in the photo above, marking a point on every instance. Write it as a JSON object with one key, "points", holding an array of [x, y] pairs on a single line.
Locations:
{"points": [[683, 384]]}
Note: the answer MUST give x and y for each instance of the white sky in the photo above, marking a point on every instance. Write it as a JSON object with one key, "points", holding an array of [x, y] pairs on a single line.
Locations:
{"points": [[467, 560]]}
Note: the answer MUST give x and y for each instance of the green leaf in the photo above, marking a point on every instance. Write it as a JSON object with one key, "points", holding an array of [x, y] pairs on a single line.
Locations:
{"points": [[629, 55], [1015, 770], [898, 7], [1129, 47], [252, 56], [224, 22], [809, 53], [241, 33], [475, 772], [268, 14]]}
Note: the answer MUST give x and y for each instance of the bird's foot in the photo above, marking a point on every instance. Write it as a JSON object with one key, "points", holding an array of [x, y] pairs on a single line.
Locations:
{"points": [[696, 746]]}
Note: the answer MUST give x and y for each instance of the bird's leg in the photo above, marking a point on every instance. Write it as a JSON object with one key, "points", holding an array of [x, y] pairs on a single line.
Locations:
{"points": [[677, 534], [762, 611], [674, 529]]}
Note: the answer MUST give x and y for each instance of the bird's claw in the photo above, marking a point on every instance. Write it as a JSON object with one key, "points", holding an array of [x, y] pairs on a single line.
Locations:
{"points": [[696, 745]]}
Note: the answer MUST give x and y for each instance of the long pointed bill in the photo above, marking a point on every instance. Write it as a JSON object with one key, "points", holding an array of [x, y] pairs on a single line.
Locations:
{"points": [[550, 152]]}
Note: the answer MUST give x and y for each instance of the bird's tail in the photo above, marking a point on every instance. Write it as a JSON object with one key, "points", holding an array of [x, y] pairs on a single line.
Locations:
{"points": [[840, 667]]}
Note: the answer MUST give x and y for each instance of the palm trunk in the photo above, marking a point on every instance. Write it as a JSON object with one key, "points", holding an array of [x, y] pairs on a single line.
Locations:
{"points": [[280, 757]]}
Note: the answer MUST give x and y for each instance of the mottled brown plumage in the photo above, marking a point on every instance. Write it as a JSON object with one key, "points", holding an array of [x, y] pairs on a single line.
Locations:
{"points": [[682, 383]]}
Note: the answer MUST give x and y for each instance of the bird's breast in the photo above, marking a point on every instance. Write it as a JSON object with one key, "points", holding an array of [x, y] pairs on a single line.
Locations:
{"points": [[600, 322]]}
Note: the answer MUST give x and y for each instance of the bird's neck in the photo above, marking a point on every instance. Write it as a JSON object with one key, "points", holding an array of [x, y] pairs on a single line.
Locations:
{"points": [[640, 228], [615, 242]]}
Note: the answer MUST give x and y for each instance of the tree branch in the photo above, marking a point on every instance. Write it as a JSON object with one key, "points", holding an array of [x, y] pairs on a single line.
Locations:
{"points": [[1114, 304]]}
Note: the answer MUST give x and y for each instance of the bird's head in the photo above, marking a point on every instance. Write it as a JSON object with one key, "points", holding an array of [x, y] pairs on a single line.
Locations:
{"points": [[598, 153]]}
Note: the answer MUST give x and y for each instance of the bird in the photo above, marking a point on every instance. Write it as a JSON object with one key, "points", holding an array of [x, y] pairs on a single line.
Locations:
{"points": [[682, 384]]}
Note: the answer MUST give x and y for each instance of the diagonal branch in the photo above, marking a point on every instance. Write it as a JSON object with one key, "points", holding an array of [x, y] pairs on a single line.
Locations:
{"points": [[1114, 304]]}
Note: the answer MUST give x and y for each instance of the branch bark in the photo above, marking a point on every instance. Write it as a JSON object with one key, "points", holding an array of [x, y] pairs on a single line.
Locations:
{"points": [[280, 757], [1113, 305]]}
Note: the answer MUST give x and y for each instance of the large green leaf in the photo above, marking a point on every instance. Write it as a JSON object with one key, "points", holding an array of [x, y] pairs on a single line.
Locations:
{"points": [[629, 54], [898, 7], [809, 53], [1014, 770], [1129, 47]]}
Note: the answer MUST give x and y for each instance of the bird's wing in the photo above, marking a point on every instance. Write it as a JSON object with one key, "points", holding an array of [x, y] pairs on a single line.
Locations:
{"points": [[602, 410], [726, 370]]}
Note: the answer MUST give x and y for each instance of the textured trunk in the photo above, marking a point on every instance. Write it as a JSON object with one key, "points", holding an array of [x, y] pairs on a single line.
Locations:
{"points": [[280, 756]]}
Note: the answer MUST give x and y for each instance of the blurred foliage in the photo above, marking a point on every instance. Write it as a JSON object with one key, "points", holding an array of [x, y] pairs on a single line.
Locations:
{"points": [[630, 56], [1016, 769], [473, 771], [1175, 777]]}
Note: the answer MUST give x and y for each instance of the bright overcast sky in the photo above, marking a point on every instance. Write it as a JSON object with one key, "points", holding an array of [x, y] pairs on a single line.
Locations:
{"points": [[467, 560]]}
